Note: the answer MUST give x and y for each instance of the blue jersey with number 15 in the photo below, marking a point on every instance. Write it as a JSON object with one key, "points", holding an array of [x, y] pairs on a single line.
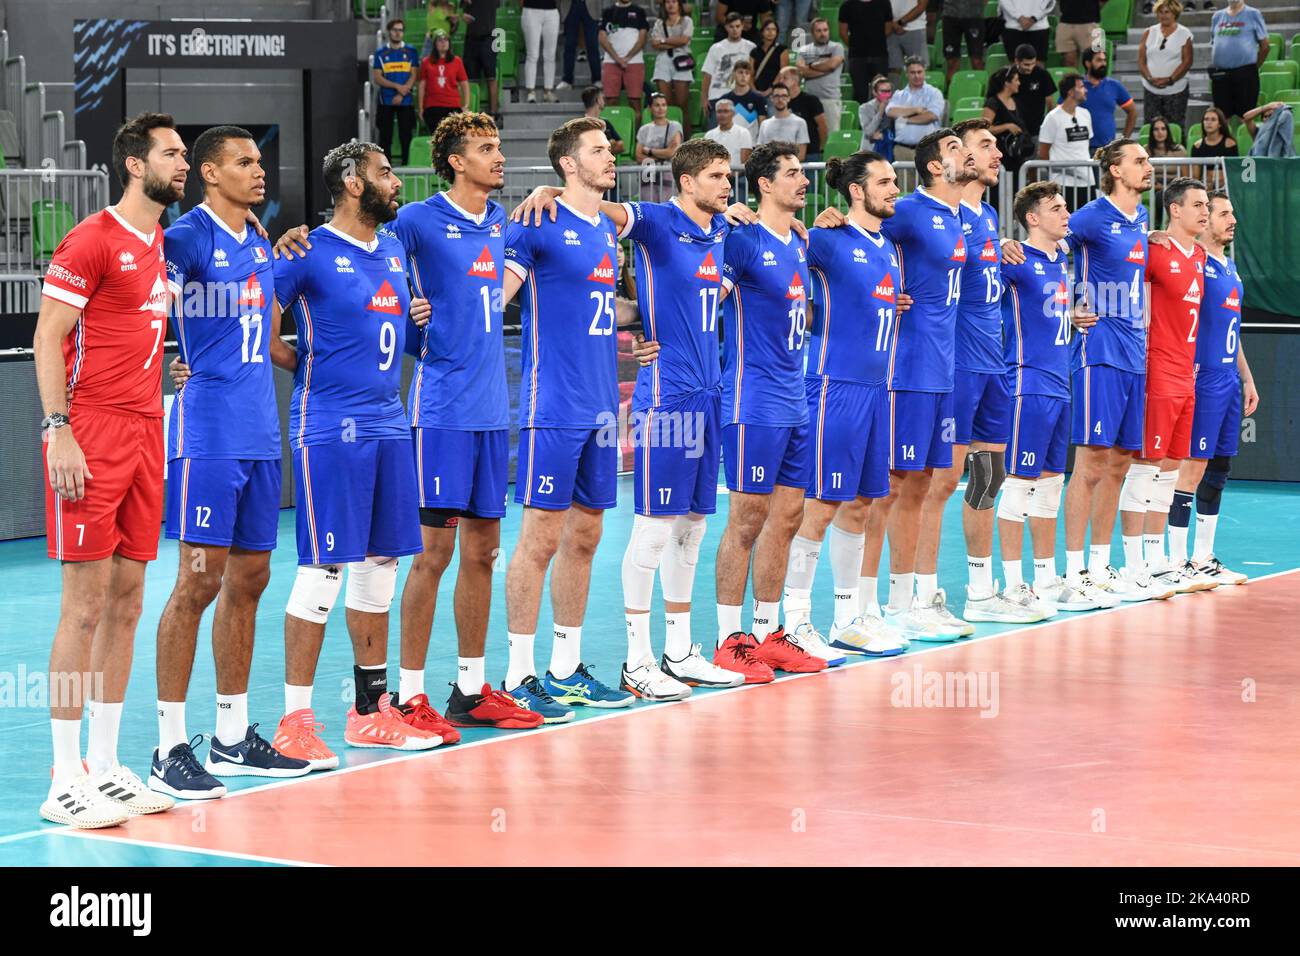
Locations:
{"points": [[979, 314]]}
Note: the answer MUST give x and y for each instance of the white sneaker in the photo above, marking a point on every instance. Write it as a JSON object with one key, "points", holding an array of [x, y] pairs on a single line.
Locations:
{"points": [[1199, 580], [869, 636], [1064, 596], [1215, 569], [945, 621], [550, 97], [532, 96], [1098, 590], [917, 624], [1132, 586], [80, 805], [562, 85], [1023, 596], [1155, 589], [648, 682], [807, 637], [998, 609], [695, 670], [121, 785]]}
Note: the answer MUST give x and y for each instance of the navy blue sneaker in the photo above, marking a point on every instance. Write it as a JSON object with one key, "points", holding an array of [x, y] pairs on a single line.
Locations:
{"points": [[181, 775], [533, 695], [252, 757], [583, 690]]}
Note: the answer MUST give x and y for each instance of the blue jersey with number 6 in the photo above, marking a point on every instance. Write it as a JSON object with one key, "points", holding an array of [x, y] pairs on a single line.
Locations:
{"points": [[855, 282], [1219, 336]]}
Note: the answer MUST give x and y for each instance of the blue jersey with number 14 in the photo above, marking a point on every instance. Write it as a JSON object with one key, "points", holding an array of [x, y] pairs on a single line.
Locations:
{"points": [[855, 281]]}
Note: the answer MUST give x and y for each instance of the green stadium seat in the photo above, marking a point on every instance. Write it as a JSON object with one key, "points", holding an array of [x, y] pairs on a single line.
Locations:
{"points": [[1116, 16], [1194, 132], [849, 114], [1243, 138], [508, 58], [1057, 72], [990, 9], [699, 48], [936, 78], [961, 115], [624, 122], [967, 83], [1290, 97], [842, 142], [417, 24], [968, 103], [52, 219], [1295, 48], [996, 59], [421, 187], [421, 153], [1271, 84], [675, 114], [1276, 46], [1282, 67]]}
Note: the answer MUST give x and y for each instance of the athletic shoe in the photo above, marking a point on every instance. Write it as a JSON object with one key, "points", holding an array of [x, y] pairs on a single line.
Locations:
{"points": [[915, 625], [736, 654], [1198, 579], [1214, 568], [648, 682], [181, 775], [549, 97], [811, 640], [1022, 595], [532, 96], [1064, 596], [694, 671], [533, 696], [122, 786], [298, 736], [384, 729], [488, 708], [80, 805], [868, 636], [1170, 578], [563, 85], [999, 609], [252, 757], [945, 622], [782, 654], [417, 713], [581, 689], [1097, 591], [1130, 585]]}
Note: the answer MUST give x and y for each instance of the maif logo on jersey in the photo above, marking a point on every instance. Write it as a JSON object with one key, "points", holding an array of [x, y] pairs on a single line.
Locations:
{"points": [[1193, 293], [157, 301], [385, 300], [796, 291], [1136, 254], [884, 289], [708, 270], [250, 296], [603, 273], [959, 254], [483, 267], [990, 252]]}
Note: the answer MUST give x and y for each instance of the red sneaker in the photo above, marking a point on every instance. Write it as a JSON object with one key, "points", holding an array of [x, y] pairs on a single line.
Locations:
{"points": [[417, 713], [782, 654], [490, 708], [737, 655]]}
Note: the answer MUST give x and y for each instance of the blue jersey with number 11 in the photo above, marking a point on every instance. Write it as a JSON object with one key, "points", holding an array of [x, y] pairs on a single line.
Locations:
{"points": [[855, 282]]}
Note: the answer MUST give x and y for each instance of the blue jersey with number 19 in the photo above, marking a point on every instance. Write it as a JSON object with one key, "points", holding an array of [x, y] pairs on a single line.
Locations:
{"points": [[350, 302], [1110, 266], [932, 254], [1219, 336], [1036, 316], [855, 279], [765, 322], [979, 314]]}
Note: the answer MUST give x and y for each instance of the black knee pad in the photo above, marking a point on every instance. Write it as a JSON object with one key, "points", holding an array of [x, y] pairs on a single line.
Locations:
{"points": [[987, 473], [440, 517]]}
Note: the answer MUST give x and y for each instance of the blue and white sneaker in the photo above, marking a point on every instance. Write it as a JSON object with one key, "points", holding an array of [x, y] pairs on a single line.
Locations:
{"points": [[181, 775], [583, 690], [533, 695], [252, 757]]}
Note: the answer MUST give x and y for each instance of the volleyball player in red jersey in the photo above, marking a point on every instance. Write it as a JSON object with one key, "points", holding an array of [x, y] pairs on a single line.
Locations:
{"points": [[99, 356]]}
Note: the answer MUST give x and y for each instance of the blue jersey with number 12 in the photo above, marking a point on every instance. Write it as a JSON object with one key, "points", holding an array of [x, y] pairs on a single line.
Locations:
{"points": [[855, 282]]}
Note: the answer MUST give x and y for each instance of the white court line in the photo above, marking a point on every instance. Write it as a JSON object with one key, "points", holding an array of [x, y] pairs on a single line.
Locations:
{"points": [[99, 835]]}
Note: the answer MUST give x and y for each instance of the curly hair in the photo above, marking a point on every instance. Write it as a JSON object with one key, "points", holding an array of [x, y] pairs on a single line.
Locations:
{"points": [[451, 135]]}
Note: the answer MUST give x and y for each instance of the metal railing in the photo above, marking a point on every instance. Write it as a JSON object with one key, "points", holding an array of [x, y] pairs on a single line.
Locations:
{"points": [[38, 207]]}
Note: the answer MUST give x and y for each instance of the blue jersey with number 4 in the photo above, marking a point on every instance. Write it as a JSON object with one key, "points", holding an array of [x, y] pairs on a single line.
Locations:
{"points": [[979, 313], [1110, 264], [350, 302], [1219, 335], [1036, 318], [855, 282], [222, 284]]}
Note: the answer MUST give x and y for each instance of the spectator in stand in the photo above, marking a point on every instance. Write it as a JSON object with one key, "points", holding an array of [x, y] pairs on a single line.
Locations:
{"points": [[1261, 113], [784, 126], [770, 57], [581, 18], [1079, 30], [1238, 45], [808, 108], [670, 38], [443, 84], [541, 25], [1025, 21], [732, 134], [1164, 60], [1214, 141], [624, 27], [877, 127], [440, 15], [751, 13], [791, 14], [593, 101], [480, 54], [1161, 145], [394, 70], [862, 31], [1105, 95], [905, 34], [751, 106], [916, 109], [1006, 123], [1065, 135], [656, 142], [1036, 87], [821, 64], [720, 62], [963, 22]]}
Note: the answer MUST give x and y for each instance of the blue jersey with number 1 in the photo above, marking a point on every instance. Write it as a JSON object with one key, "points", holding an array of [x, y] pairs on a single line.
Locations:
{"points": [[855, 279]]}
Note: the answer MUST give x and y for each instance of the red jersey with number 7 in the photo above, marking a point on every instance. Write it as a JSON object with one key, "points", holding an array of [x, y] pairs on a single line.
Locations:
{"points": [[117, 277], [1177, 278]]}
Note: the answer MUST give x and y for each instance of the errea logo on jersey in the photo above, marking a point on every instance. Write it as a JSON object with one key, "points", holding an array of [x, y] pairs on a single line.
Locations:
{"points": [[453, 232], [219, 258], [1173, 267], [343, 264], [708, 270], [483, 267], [769, 258], [884, 289], [1114, 228], [936, 222], [571, 238], [859, 255], [604, 272], [128, 262], [385, 300]]}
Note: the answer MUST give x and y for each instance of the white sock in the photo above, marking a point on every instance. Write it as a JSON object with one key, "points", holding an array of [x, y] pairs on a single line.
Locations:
{"points": [[1074, 562], [232, 718], [1045, 571], [868, 595], [765, 618], [798, 608], [846, 606], [469, 675], [800, 571], [981, 574], [900, 591], [521, 659], [297, 697], [846, 564], [566, 651], [728, 621], [926, 585], [1205, 527], [1134, 560], [67, 751], [638, 638], [171, 726], [677, 636], [1012, 573], [1153, 550], [1098, 558], [101, 750], [410, 683], [1177, 544]]}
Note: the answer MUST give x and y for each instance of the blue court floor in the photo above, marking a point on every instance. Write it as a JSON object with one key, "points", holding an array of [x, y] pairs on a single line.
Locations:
{"points": [[1259, 533]]}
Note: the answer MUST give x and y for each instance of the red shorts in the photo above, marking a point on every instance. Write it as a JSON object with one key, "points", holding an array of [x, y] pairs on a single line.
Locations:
{"points": [[122, 510], [1167, 431], [615, 78]]}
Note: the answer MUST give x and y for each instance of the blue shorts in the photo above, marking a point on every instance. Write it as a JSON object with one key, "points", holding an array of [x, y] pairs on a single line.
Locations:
{"points": [[224, 501], [981, 404], [759, 457], [676, 452], [560, 467], [1040, 436], [921, 430], [850, 423], [1108, 407], [1216, 420], [463, 471], [356, 498]]}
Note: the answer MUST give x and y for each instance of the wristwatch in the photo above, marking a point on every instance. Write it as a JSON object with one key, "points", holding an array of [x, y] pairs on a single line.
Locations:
{"points": [[54, 420]]}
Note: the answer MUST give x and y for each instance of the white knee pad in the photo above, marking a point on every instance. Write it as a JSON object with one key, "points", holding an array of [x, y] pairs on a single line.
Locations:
{"points": [[1046, 499], [1015, 501], [688, 540], [1163, 487], [649, 538], [678, 573], [1135, 495], [315, 590], [371, 584]]}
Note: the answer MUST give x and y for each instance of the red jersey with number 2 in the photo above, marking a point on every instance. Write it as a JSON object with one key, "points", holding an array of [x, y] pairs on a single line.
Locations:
{"points": [[117, 277], [1177, 278]]}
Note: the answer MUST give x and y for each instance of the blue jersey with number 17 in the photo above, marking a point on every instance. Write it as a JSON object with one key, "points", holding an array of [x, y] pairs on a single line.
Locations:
{"points": [[765, 323], [979, 313], [350, 302], [855, 282], [1110, 264], [932, 254]]}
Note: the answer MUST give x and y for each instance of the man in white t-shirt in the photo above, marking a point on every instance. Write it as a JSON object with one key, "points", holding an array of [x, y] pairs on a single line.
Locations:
{"points": [[783, 125], [820, 64], [715, 75], [905, 34], [1064, 135], [732, 134]]}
